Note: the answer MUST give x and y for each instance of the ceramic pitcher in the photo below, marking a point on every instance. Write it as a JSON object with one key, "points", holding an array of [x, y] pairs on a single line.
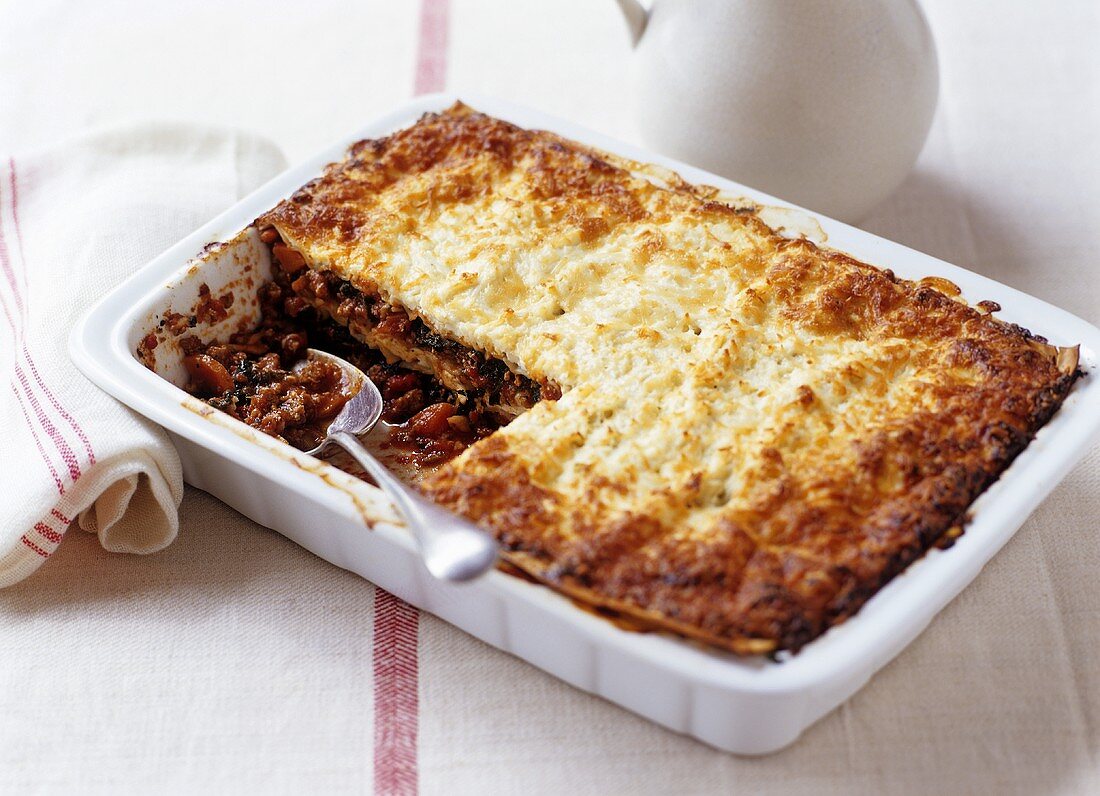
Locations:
{"points": [[822, 103]]}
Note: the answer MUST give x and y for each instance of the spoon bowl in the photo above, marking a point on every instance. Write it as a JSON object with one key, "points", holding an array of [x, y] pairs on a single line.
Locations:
{"points": [[362, 411], [452, 548]]}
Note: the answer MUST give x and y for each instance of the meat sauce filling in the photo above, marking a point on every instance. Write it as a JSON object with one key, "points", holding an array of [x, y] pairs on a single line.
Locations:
{"points": [[470, 369], [258, 377], [265, 393]]}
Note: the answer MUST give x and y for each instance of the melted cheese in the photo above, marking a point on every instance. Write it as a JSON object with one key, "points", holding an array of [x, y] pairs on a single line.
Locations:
{"points": [[754, 433]]}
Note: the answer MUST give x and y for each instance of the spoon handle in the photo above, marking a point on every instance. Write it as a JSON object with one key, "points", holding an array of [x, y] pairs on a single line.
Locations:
{"points": [[452, 548]]}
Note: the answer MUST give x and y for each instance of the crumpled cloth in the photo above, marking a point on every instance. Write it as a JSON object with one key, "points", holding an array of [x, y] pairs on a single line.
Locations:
{"points": [[75, 220]]}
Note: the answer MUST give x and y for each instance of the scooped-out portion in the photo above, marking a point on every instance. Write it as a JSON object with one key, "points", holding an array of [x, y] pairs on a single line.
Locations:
{"points": [[438, 399]]}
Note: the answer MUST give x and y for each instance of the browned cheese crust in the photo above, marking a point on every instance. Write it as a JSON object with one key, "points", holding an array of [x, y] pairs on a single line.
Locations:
{"points": [[755, 434]]}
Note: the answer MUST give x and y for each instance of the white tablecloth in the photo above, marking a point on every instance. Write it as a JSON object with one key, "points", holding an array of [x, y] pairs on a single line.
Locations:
{"points": [[235, 659]]}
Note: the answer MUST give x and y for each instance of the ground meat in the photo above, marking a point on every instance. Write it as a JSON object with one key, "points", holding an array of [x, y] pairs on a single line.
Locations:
{"points": [[176, 324], [210, 310], [259, 390]]}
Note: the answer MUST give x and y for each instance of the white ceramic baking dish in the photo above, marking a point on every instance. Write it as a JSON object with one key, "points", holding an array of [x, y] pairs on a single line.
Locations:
{"points": [[747, 706]]}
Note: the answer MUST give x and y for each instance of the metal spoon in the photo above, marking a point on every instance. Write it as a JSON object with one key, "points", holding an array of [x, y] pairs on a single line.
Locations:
{"points": [[452, 548]]}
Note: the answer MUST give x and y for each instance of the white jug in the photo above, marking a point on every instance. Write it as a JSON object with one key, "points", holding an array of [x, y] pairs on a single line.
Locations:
{"points": [[823, 103]]}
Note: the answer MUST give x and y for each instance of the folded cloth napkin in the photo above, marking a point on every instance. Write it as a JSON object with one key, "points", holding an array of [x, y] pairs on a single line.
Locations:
{"points": [[74, 221]]}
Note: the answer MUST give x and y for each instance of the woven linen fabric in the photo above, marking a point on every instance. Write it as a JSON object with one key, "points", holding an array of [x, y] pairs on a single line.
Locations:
{"points": [[76, 219], [234, 661]]}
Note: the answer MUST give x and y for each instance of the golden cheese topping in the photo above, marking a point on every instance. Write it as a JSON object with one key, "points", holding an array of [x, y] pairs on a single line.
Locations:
{"points": [[754, 433]]}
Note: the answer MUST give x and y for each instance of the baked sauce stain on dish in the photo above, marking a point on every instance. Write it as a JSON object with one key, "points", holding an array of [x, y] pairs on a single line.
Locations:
{"points": [[665, 409]]}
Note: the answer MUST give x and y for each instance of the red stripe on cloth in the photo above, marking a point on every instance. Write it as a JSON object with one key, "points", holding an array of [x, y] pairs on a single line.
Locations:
{"points": [[9, 316], [67, 454], [38, 443], [396, 698], [15, 215], [431, 56], [17, 322], [59, 408], [34, 547], [47, 532], [34, 430], [5, 266], [56, 404]]}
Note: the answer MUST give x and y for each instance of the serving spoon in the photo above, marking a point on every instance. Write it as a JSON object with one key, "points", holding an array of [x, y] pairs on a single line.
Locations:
{"points": [[452, 548]]}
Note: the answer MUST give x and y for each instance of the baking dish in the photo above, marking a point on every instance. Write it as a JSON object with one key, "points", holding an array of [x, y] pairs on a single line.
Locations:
{"points": [[741, 705]]}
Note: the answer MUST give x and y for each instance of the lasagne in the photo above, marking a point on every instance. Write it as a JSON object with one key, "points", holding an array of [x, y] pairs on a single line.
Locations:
{"points": [[681, 417]]}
